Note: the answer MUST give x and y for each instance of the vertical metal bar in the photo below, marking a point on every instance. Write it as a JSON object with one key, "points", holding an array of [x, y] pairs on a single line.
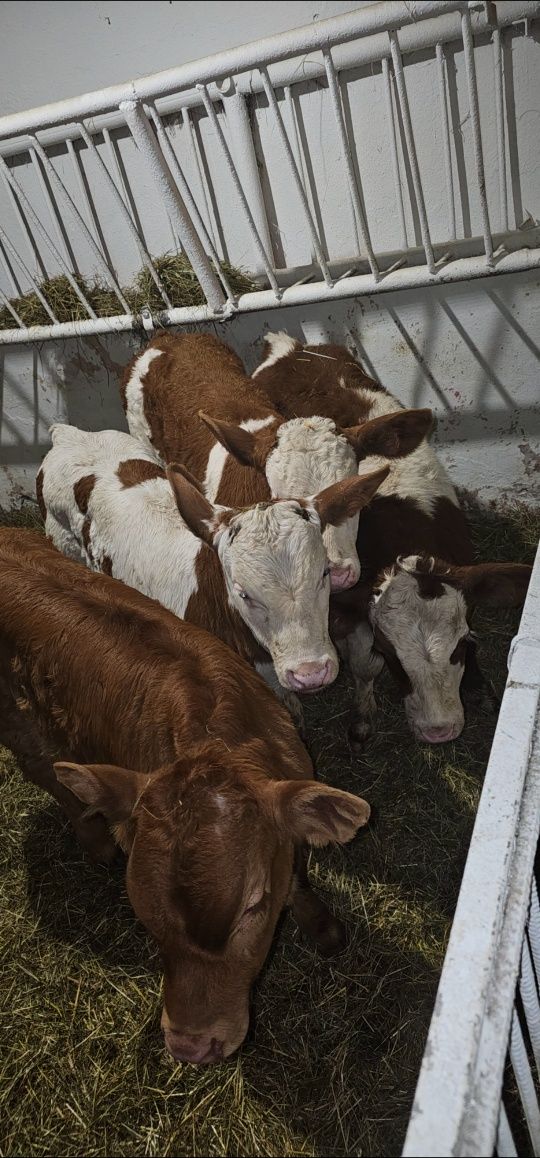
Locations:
{"points": [[271, 98], [15, 287], [25, 228], [533, 929], [441, 64], [499, 108], [53, 210], [505, 1145], [234, 105], [145, 140], [524, 1079], [238, 187], [470, 69], [174, 166], [76, 165], [335, 96], [45, 236], [11, 248], [9, 307], [411, 148], [79, 221], [393, 148], [190, 131], [125, 214], [531, 1005]]}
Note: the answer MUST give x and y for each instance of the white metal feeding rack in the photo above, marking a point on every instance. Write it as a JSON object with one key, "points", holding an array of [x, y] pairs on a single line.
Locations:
{"points": [[80, 132]]}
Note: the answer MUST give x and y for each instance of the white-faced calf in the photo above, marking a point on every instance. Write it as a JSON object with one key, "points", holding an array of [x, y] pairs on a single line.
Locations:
{"points": [[419, 580]]}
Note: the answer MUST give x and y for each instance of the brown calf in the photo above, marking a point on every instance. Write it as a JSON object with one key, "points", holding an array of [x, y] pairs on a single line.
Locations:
{"points": [[151, 730]]}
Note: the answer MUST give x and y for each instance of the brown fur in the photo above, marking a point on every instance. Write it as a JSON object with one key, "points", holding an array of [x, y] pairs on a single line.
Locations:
{"points": [[191, 748], [133, 471], [82, 490]]}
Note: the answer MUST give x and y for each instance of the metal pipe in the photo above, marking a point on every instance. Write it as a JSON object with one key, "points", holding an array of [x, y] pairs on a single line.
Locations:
{"points": [[499, 108], [358, 208], [241, 136], [415, 277], [125, 217], [145, 140], [174, 166], [411, 148], [531, 1005], [4, 298], [24, 226], [76, 166], [533, 930], [192, 142], [16, 256], [506, 1147], [79, 221], [470, 69], [525, 1083], [394, 150], [239, 190], [272, 102], [53, 210], [441, 64]]}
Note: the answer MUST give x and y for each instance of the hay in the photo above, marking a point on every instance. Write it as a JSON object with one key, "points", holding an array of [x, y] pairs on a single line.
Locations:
{"points": [[332, 1058], [177, 277]]}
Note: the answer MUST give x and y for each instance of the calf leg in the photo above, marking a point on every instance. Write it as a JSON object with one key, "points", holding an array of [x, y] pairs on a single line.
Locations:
{"points": [[288, 699], [476, 688], [365, 666], [311, 914], [58, 530]]}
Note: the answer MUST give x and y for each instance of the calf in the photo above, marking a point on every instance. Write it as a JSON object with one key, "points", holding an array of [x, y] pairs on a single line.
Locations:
{"points": [[419, 579], [245, 452], [154, 736], [256, 577]]}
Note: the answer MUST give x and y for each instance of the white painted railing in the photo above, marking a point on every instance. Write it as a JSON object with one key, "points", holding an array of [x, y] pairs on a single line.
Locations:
{"points": [[487, 1007], [59, 161]]}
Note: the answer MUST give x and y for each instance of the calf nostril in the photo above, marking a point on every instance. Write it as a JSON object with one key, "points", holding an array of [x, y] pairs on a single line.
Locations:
{"points": [[343, 577]]}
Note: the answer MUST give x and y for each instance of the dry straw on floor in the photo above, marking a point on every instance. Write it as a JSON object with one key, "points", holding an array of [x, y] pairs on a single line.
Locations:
{"points": [[332, 1058]]}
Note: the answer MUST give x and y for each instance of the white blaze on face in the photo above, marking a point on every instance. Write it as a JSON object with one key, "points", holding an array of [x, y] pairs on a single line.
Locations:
{"points": [[424, 634], [310, 455], [276, 571]]}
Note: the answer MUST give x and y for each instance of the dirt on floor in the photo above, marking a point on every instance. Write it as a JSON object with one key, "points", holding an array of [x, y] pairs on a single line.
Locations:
{"points": [[332, 1058]]}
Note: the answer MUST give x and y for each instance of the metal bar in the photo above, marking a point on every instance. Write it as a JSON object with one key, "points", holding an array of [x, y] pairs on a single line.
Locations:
{"points": [[506, 1147], [174, 166], [411, 147], [337, 106], [9, 307], [145, 140], [192, 142], [465, 269], [79, 221], [441, 64], [15, 287], [239, 191], [24, 226], [241, 136], [499, 108], [48, 240], [76, 165], [125, 216], [271, 98], [394, 150], [11, 248], [470, 69], [533, 930], [53, 209], [525, 1083], [531, 1005]]}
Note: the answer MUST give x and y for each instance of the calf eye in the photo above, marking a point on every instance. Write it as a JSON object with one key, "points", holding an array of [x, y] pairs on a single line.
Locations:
{"points": [[243, 595], [326, 572]]}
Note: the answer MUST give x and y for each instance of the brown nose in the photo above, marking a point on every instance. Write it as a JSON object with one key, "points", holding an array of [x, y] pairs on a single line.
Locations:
{"points": [[194, 1048]]}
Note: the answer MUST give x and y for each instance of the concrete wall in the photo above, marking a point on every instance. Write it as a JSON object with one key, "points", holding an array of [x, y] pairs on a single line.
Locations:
{"points": [[470, 351]]}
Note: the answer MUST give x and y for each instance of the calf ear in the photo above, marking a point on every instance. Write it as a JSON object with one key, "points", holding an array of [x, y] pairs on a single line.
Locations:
{"points": [[495, 584], [250, 447], [105, 788], [344, 499], [200, 515], [391, 435], [318, 814]]}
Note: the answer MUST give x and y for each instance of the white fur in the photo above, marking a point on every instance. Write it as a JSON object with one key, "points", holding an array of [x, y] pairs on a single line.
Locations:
{"points": [[424, 633], [268, 551], [218, 457], [138, 426], [279, 345]]}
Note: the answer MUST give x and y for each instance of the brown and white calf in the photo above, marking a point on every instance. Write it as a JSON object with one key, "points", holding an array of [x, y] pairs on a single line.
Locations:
{"points": [[243, 451], [256, 577], [154, 736], [419, 579]]}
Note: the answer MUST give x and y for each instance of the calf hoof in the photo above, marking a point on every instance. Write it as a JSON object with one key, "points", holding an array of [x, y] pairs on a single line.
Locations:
{"points": [[360, 731]]}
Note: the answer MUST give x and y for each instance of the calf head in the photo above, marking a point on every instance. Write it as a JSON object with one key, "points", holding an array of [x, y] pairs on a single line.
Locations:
{"points": [[304, 455], [276, 569], [210, 844], [419, 620]]}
